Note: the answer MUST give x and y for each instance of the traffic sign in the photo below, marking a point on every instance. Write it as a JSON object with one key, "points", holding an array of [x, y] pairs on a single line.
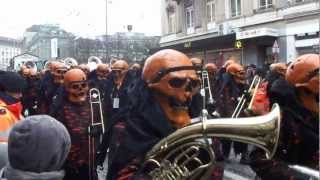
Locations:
{"points": [[275, 47], [238, 44]]}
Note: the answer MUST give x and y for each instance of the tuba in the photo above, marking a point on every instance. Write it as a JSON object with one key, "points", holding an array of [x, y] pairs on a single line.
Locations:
{"points": [[93, 62], [70, 62], [186, 153]]}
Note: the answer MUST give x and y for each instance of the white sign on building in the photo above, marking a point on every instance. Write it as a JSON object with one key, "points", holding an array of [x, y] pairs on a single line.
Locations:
{"points": [[54, 48], [257, 33]]}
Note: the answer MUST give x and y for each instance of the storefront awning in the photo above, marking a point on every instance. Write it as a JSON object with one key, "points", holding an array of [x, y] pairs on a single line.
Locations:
{"points": [[260, 32]]}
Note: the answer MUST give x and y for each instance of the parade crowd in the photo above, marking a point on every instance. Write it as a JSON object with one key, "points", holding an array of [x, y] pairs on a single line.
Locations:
{"points": [[68, 121]]}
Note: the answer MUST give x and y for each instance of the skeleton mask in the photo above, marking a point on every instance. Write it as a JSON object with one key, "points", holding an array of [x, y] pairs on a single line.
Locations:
{"points": [[85, 68], [198, 63], [135, 67], [75, 82], [102, 71], [211, 68], [303, 73], [238, 73], [25, 72], [119, 71], [58, 71], [280, 68], [172, 77]]}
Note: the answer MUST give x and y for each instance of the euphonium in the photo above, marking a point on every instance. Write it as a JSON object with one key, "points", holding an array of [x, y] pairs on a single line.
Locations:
{"points": [[186, 154]]}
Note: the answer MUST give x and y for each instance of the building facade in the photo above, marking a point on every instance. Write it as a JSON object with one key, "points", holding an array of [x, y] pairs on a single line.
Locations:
{"points": [[38, 40], [250, 31], [8, 49]]}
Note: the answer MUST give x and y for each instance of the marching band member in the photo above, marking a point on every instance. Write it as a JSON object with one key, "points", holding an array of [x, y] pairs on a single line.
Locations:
{"points": [[75, 113], [298, 97]]}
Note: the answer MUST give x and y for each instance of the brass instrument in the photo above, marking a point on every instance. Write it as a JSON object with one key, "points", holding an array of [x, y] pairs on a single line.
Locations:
{"points": [[311, 173], [206, 85], [184, 154], [254, 86], [70, 62], [93, 62], [95, 99]]}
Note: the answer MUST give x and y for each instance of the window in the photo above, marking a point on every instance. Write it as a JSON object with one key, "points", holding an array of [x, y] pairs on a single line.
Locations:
{"points": [[189, 17], [264, 4], [172, 23], [211, 10], [235, 8]]}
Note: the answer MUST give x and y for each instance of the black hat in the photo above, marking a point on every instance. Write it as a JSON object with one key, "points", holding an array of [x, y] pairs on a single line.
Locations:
{"points": [[38, 144], [11, 82]]}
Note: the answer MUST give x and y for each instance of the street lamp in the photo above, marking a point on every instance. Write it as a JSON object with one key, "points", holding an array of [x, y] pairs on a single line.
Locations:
{"points": [[107, 45]]}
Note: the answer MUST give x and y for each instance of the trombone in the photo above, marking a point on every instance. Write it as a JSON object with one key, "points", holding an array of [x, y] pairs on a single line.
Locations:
{"points": [[206, 86], [95, 98], [254, 86]]}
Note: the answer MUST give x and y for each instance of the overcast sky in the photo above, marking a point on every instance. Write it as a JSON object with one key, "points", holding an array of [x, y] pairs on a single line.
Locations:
{"points": [[81, 17]]}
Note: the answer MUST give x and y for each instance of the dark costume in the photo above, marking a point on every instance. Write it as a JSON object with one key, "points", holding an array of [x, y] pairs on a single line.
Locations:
{"points": [[115, 98], [47, 92], [299, 138], [30, 96], [229, 93], [77, 119]]}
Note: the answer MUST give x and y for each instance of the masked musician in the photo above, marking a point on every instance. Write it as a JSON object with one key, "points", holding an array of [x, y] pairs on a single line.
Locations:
{"points": [[75, 113], [231, 91], [99, 78], [298, 97], [158, 105], [116, 90], [51, 86], [30, 95], [11, 87]]}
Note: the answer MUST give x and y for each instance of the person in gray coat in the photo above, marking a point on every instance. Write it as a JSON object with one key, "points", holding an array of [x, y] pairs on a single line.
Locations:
{"points": [[37, 149]]}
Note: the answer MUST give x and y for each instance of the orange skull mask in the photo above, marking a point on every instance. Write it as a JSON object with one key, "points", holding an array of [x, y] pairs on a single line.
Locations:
{"points": [[303, 73], [102, 71], [172, 78], [280, 68], [211, 68], [85, 68], [58, 71], [119, 71], [238, 72], [75, 82]]}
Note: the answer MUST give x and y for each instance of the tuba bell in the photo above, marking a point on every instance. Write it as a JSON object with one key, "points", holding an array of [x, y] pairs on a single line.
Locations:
{"points": [[93, 62], [186, 153], [70, 62]]}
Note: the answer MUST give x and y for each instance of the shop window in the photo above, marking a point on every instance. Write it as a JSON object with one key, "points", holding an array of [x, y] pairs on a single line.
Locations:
{"points": [[211, 10], [265, 4], [235, 8], [172, 23], [190, 17]]}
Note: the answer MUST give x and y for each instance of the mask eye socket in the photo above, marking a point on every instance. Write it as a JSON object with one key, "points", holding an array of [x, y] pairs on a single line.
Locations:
{"points": [[181, 82], [79, 85], [195, 83], [177, 82]]}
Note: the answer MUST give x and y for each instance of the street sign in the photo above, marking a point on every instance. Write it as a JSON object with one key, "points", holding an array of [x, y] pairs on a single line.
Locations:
{"points": [[275, 47], [238, 44]]}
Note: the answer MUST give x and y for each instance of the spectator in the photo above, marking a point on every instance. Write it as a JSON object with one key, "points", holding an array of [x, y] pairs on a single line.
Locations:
{"points": [[37, 149]]}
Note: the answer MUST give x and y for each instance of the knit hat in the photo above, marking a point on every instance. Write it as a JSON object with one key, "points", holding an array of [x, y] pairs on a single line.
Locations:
{"points": [[38, 144], [11, 81]]}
